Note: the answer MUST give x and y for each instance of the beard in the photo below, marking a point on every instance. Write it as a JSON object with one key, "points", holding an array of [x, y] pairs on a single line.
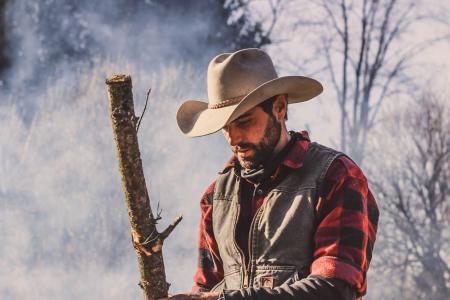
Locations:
{"points": [[263, 151]]}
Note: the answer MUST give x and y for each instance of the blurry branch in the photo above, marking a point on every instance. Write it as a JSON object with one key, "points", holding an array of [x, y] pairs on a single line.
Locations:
{"points": [[4, 60], [251, 32], [397, 69], [275, 8], [416, 195], [146, 240]]}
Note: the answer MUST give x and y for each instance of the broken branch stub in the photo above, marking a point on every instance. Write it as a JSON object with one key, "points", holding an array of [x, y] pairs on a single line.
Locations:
{"points": [[146, 240]]}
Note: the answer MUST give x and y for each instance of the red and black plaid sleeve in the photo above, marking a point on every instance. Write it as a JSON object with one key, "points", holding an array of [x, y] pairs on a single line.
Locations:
{"points": [[348, 217], [209, 268]]}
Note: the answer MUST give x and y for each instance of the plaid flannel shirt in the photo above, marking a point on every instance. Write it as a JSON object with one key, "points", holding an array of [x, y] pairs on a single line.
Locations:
{"points": [[347, 216]]}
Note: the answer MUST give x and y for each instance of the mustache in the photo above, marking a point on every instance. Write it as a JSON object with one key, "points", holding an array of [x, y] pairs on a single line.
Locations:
{"points": [[243, 146]]}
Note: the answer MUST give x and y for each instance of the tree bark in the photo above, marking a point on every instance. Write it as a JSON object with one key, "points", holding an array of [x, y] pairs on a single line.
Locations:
{"points": [[146, 240]]}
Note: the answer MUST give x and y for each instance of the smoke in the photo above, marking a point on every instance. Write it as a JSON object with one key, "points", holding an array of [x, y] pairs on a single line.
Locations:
{"points": [[63, 222], [46, 39]]}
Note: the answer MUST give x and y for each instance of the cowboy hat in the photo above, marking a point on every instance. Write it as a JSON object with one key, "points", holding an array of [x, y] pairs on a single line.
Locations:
{"points": [[237, 82]]}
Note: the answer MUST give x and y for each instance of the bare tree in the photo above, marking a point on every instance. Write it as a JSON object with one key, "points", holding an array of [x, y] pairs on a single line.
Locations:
{"points": [[414, 194], [367, 48]]}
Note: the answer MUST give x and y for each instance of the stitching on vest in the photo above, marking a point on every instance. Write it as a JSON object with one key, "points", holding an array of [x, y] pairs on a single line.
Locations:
{"points": [[327, 166], [220, 196], [277, 268], [292, 191], [333, 155], [225, 197], [232, 271]]}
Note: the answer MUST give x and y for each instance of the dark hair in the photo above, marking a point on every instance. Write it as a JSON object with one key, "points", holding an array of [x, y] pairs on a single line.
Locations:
{"points": [[267, 106]]}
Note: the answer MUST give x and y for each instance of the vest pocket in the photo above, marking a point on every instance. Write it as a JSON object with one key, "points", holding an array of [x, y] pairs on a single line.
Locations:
{"points": [[232, 278], [273, 276]]}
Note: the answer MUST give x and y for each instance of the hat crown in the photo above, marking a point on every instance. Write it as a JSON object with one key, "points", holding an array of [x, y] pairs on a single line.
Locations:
{"points": [[232, 76]]}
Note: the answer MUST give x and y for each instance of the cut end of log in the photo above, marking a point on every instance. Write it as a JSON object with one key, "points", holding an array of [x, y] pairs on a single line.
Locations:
{"points": [[118, 78]]}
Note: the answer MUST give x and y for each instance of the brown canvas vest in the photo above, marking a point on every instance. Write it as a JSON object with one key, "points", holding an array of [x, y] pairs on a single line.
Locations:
{"points": [[281, 238]]}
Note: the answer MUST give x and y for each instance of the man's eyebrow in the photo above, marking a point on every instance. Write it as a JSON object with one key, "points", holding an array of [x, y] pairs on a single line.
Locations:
{"points": [[247, 114]]}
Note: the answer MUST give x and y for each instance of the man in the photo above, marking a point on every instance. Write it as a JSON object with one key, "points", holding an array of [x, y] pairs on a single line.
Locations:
{"points": [[286, 218]]}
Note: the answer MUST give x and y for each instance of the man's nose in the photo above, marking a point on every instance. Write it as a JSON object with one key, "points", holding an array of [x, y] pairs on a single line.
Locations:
{"points": [[232, 135]]}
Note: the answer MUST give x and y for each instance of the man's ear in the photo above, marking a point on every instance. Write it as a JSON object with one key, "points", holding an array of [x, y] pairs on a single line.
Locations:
{"points": [[279, 107]]}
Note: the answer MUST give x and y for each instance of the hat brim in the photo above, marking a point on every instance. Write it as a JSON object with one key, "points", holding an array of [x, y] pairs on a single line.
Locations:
{"points": [[195, 119]]}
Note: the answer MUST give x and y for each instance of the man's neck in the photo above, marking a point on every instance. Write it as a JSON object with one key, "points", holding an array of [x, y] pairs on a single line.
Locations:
{"points": [[284, 139]]}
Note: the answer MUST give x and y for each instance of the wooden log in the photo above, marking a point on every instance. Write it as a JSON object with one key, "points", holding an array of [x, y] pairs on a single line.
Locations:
{"points": [[146, 240]]}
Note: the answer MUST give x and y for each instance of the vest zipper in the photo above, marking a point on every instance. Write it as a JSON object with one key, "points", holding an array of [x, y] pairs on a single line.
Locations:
{"points": [[250, 252], [241, 253]]}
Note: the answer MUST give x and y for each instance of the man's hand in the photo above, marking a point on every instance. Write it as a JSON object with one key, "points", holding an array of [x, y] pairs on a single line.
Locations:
{"points": [[194, 296]]}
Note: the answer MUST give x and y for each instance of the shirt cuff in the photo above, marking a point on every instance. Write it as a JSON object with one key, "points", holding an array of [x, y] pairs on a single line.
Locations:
{"points": [[334, 267]]}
